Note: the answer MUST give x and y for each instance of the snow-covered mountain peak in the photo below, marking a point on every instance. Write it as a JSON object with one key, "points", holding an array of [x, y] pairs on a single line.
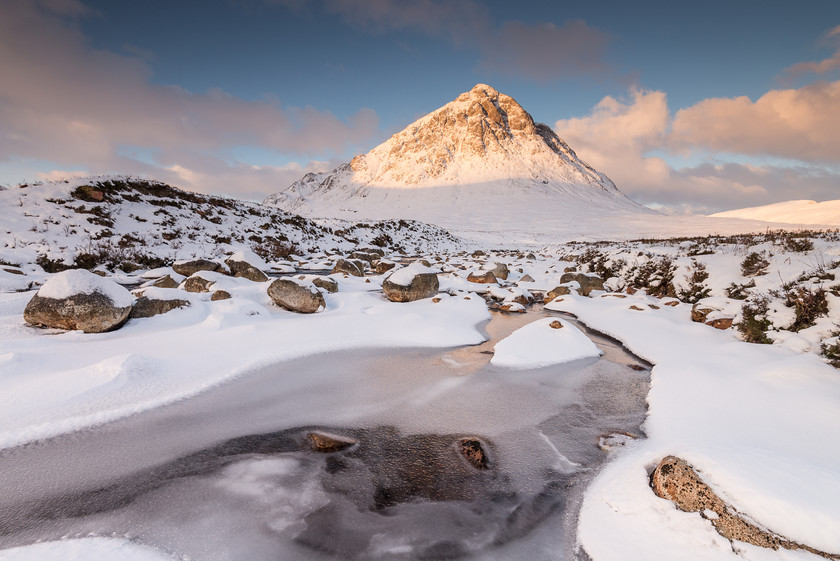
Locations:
{"points": [[482, 135]]}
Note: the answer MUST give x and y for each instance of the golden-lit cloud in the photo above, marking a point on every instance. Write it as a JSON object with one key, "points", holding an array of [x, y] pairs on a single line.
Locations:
{"points": [[802, 123], [630, 140]]}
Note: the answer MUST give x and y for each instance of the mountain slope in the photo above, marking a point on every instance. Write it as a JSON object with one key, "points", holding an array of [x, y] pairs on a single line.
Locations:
{"points": [[117, 220], [790, 212], [478, 160]]}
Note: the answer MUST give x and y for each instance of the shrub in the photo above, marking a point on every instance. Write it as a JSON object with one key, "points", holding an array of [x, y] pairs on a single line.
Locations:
{"points": [[831, 350], [739, 291], [754, 323], [808, 305], [656, 276], [798, 244], [50, 265], [696, 289], [753, 265], [273, 249]]}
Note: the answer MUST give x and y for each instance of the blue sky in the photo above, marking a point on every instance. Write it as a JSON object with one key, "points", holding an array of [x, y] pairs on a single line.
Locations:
{"points": [[241, 97]]}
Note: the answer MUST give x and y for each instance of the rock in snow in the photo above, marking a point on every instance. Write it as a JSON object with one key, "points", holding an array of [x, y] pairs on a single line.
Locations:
{"points": [[188, 268], [296, 296], [78, 299], [411, 283], [674, 479]]}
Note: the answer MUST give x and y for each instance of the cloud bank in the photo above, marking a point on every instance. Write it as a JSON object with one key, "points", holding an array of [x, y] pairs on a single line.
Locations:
{"points": [[61, 100], [631, 140]]}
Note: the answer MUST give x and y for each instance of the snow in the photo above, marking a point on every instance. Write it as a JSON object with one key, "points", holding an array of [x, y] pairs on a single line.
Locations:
{"points": [[538, 344], [245, 255], [802, 212], [79, 281], [405, 276], [84, 549], [65, 382], [756, 420]]}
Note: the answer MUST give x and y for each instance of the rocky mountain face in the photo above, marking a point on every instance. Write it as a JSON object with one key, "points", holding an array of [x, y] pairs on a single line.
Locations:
{"points": [[482, 147]]}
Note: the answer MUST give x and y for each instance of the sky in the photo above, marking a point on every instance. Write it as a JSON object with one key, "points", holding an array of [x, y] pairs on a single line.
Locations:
{"points": [[689, 107]]}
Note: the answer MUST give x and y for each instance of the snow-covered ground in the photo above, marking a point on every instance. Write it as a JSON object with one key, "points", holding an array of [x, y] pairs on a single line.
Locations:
{"points": [[758, 420], [56, 382], [793, 212]]}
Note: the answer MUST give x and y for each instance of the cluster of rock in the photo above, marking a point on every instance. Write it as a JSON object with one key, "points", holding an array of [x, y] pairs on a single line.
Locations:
{"points": [[95, 309]]}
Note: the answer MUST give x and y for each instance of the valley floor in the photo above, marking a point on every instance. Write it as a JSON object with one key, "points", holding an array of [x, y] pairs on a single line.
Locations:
{"points": [[758, 421]]}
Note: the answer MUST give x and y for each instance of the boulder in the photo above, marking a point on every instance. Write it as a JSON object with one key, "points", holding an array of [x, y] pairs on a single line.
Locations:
{"points": [[220, 295], [78, 299], [146, 307], [251, 273], [555, 292], [247, 265], [501, 271], [414, 282], [676, 480], [513, 307], [326, 283], [364, 256], [721, 323], [483, 277], [383, 266], [526, 278], [165, 282], [375, 250], [587, 283], [347, 267], [323, 442], [296, 296], [189, 268], [474, 451], [197, 283]]}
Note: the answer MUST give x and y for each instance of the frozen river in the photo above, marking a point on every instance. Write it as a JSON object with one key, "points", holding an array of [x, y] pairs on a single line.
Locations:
{"points": [[231, 474]]}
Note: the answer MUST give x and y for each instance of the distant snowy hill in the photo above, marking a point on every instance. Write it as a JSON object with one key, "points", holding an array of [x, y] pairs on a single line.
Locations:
{"points": [[790, 212], [118, 219], [480, 161]]}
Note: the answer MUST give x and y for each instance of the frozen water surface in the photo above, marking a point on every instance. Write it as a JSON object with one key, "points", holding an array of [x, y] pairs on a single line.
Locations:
{"points": [[231, 474]]}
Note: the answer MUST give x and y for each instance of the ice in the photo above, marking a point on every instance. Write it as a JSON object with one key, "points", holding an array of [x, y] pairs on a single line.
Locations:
{"points": [[269, 497], [84, 549]]}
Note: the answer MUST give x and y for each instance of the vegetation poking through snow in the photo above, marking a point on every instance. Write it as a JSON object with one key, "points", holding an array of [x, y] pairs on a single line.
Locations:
{"points": [[696, 289], [754, 322], [754, 264], [809, 304], [125, 222]]}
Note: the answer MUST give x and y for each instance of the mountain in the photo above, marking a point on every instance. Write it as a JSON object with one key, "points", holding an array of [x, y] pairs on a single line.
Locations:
{"points": [[790, 212], [479, 160]]}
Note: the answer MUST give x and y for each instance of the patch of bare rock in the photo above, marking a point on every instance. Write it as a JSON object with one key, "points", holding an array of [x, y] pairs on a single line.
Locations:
{"points": [[676, 480]]}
